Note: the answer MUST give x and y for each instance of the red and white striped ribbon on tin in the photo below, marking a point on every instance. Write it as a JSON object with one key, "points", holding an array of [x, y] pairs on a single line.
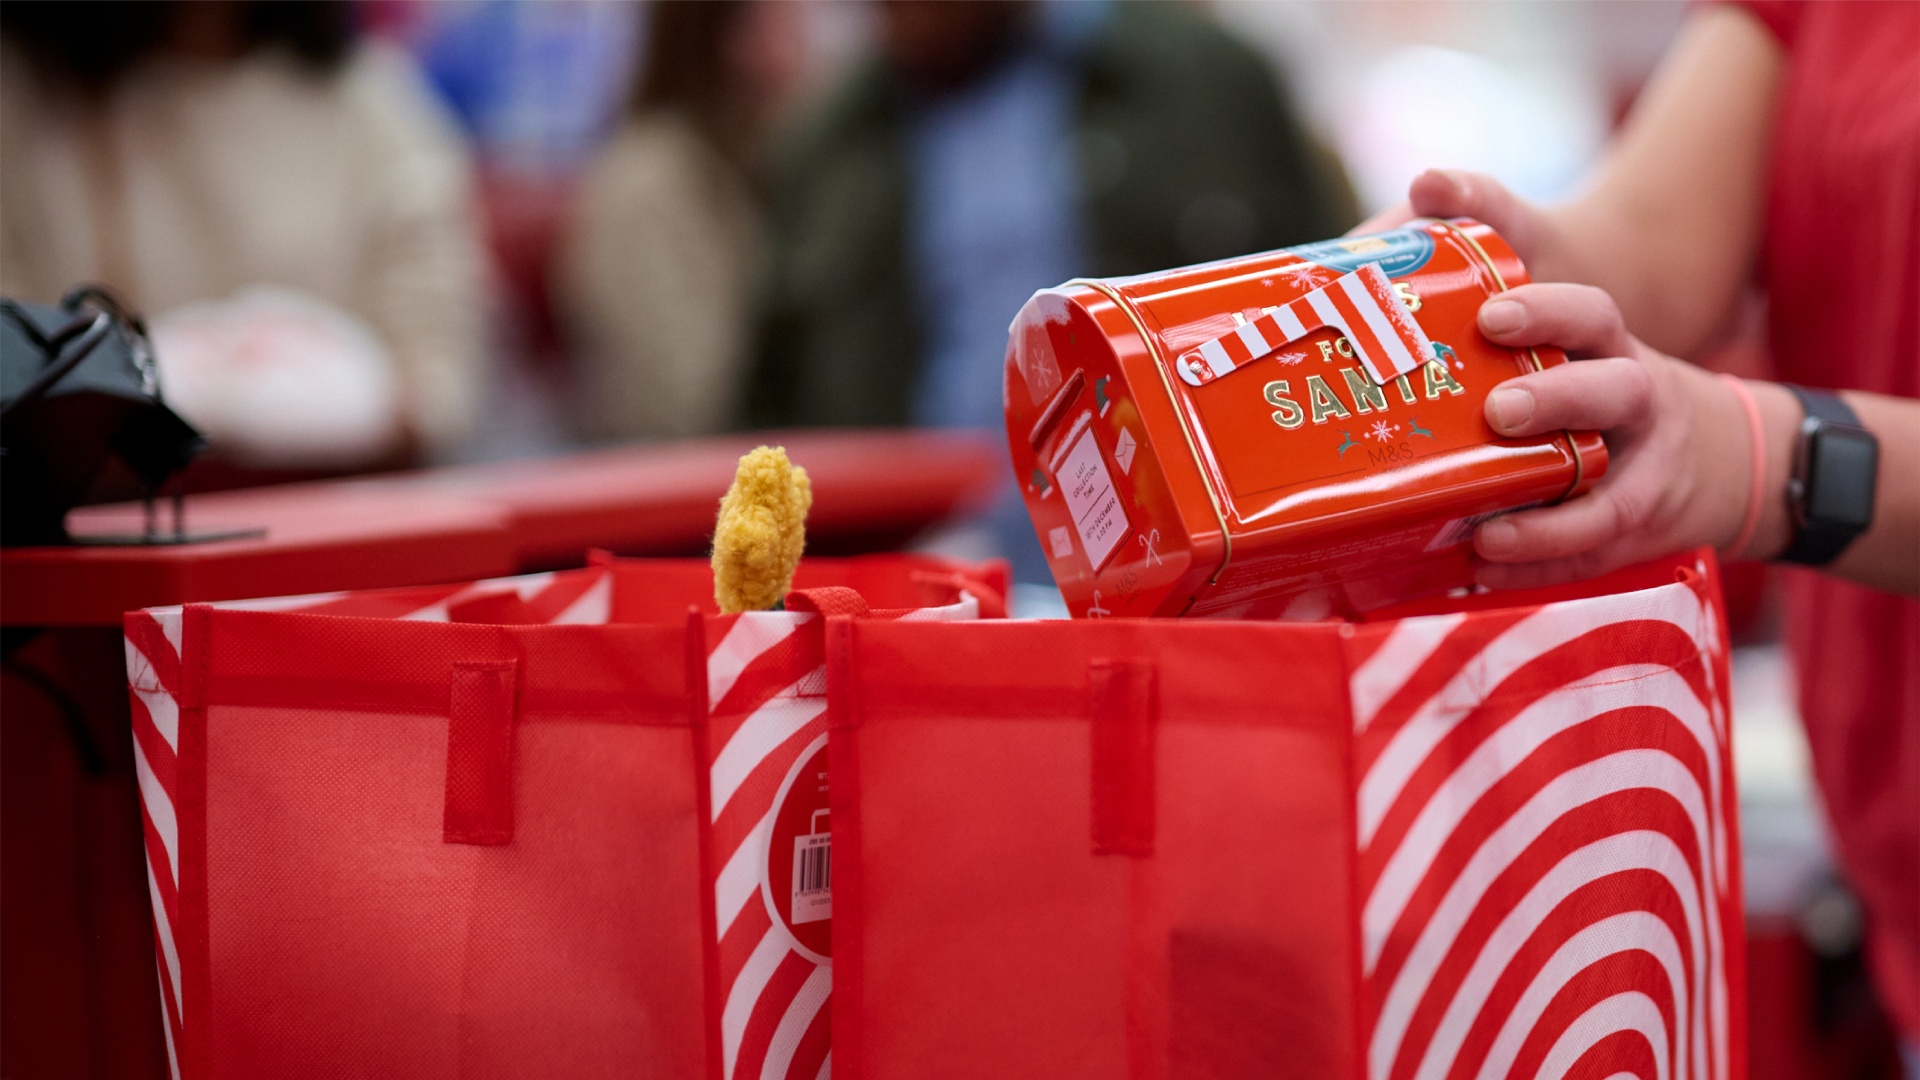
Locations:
{"points": [[1361, 306]]}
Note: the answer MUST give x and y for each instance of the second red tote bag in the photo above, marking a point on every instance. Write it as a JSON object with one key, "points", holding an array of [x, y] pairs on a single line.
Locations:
{"points": [[1492, 839]]}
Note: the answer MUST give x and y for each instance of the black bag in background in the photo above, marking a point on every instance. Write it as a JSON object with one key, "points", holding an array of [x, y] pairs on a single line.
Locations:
{"points": [[81, 415]]}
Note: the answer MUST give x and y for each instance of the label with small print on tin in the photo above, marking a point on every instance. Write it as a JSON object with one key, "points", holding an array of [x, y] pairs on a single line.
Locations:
{"points": [[1398, 253], [1091, 498]]}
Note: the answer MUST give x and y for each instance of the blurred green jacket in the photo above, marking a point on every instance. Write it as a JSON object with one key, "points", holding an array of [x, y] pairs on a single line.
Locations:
{"points": [[1187, 152]]}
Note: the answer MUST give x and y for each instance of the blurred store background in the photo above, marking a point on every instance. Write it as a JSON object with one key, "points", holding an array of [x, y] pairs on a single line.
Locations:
{"points": [[398, 233]]}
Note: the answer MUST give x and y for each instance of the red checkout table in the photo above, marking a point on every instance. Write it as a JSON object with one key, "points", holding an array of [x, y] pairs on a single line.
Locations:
{"points": [[78, 982]]}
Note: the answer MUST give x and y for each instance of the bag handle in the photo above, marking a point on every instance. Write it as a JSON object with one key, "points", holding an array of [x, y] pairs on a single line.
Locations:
{"points": [[1123, 707], [827, 600], [482, 708]]}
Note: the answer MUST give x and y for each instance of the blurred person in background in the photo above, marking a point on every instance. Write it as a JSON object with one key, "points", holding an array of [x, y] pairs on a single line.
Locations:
{"points": [[657, 263], [1780, 143], [289, 206], [996, 148]]}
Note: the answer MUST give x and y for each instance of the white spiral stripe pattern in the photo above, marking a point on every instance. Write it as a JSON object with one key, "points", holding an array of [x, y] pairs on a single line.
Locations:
{"points": [[159, 810], [594, 608], [745, 992], [169, 956], [760, 734], [1579, 786], [1542, 632], [166, 1029], [172, 625], [1625, 771], [1519, 737], [751, 635], [1632, 1011], [1629, 931], [159, 711], [1626, 851], [739, 880], [807, 1003], [1417, 705], [1408, 645]]}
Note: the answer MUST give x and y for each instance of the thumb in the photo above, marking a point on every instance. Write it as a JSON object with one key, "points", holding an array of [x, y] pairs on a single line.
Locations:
{"points": [[1391, 218], [1448, 193]]}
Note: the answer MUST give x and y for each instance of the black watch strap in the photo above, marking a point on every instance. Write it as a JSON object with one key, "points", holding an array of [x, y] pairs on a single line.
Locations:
{"points": [[1830, 499]]}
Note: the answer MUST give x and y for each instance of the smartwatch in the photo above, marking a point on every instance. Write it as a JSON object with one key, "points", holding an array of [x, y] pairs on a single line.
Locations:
{"points": [[1836, 464]]}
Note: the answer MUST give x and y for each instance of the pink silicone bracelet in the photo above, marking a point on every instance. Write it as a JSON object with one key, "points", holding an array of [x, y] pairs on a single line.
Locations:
{"points": [[1756, 488]]}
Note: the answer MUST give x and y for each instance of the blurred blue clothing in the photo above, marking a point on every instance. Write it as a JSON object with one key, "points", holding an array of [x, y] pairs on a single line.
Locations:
{"points": [[994, 217], [538, 86]]}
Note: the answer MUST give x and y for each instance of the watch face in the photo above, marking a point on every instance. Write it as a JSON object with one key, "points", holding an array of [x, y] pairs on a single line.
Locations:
{"points": [[1841, 462]]}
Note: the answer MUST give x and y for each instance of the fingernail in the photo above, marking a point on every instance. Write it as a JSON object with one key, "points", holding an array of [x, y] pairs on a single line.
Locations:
{"points": [[1510, 409], [1502, 316], [1497, 537]]}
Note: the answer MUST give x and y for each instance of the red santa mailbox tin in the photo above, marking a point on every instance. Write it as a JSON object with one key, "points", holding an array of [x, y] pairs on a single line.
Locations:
{"points": [[1297, 433]]}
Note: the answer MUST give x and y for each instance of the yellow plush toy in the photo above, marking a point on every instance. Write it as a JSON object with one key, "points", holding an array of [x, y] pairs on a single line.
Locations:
{"points": [[761, 532]]}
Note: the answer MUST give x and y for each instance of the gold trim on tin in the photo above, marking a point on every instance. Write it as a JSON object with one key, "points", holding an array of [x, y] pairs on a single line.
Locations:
{"points": [[1579, 463], [1160, 367]]}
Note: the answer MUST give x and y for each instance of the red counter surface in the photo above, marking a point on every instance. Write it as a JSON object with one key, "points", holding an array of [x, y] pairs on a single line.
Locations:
{"points": [[871, 490], [317, 538]]}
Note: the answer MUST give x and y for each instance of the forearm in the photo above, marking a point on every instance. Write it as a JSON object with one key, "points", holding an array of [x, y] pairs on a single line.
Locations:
{"points": [[1887, 555], [1671, 223]]}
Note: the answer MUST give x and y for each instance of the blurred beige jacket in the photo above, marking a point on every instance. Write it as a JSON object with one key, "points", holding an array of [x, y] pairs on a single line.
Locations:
{"points": [[198, 180], [654, 277]]}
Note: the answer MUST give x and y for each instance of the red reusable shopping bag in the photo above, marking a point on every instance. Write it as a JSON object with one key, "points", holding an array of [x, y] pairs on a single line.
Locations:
{"points": [[1491, 841], [447, 832]]}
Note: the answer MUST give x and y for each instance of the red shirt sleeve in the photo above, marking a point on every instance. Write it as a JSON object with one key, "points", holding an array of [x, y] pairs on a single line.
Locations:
{"points": [[1780, 16]]}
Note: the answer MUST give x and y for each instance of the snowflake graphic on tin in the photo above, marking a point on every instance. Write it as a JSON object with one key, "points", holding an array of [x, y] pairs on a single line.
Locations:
{"points": [[1307, 275], [1291, 358], [1383, 431]]}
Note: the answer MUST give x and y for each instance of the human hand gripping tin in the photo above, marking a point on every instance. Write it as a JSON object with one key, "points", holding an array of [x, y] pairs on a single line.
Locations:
{"points": [[1299, 433]]}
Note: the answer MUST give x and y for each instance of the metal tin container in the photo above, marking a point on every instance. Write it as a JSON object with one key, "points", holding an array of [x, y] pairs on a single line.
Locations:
{"points": [[1188, 445]]}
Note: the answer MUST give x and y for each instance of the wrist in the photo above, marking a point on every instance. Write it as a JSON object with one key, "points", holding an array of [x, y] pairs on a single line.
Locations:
{"points": [[1756, 467], [1717, 500], [1780, 418]]}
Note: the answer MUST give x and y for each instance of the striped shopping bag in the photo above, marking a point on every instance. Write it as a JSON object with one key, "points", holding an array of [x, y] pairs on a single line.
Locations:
{"points": [[1489, 837], [460, 830]]}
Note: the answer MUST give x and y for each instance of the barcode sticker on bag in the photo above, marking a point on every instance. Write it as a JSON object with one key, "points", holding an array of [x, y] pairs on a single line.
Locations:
{"points": [[1460, 530], [812, 877]]}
